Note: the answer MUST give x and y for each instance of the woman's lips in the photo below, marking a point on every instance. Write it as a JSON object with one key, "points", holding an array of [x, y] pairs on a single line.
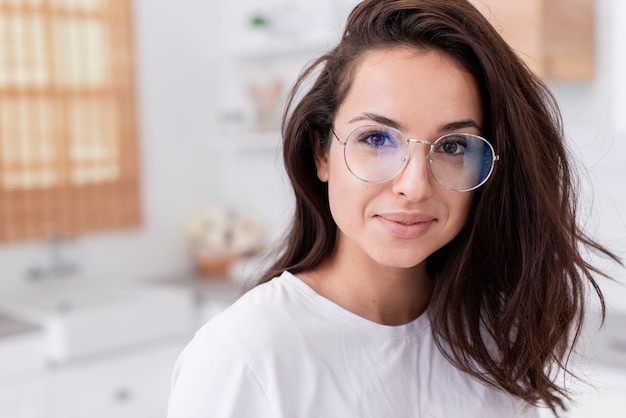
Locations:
{"points": [[406, 226]]}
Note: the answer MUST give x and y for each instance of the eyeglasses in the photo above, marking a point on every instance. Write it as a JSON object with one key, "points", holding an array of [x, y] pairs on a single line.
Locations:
{"points": [[458, 161]]}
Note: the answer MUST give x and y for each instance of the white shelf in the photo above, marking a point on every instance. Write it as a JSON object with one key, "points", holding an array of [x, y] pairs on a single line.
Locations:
{"points": [[272, 48]]}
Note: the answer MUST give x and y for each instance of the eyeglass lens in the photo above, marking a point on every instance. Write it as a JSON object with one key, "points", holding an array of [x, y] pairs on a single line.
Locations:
{"points": [[459, 162]]}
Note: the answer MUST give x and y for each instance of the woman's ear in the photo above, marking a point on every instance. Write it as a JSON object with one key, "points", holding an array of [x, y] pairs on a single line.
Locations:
{"points": [[321, 160]]}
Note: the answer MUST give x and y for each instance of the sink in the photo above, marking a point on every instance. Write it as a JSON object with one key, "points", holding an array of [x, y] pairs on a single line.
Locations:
{"points": [[79, 319]]}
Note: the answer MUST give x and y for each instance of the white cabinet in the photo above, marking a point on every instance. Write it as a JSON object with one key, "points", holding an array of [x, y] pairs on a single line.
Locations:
{"points": [[134, 383], [25, 397], [23, 391]]}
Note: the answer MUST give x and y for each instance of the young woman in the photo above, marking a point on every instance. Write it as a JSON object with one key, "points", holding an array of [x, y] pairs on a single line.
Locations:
{"points": [[433, 267]]}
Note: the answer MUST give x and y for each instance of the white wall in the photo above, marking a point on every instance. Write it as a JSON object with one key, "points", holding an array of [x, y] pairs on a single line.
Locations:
{"points": [[592, 114], [183, 85], [619, 68]]}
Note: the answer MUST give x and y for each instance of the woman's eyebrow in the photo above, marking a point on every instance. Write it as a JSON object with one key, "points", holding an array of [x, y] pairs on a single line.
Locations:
{"points": [[459, 125], [446, 127], [383, 120]]}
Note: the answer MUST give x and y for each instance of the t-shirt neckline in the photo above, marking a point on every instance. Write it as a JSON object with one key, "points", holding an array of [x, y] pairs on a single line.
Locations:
{"points": [[409, 329]]}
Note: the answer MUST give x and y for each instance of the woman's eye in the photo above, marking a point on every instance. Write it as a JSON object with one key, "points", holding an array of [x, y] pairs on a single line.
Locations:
{"points": [[453, 146], [377, 139]]}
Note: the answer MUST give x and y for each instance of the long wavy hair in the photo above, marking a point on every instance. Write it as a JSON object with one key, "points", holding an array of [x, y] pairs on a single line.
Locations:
{"points": [[509, 291]]}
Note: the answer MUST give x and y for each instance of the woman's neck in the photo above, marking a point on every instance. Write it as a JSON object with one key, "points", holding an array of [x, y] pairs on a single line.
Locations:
{"points": [[385, 295]]}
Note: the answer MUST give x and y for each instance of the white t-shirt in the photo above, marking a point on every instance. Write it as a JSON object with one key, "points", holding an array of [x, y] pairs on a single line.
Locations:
{"points": [[284, 351]]}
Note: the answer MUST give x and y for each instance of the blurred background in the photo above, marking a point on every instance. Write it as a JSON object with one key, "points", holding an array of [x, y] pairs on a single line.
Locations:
{"points": [[140, 176]]}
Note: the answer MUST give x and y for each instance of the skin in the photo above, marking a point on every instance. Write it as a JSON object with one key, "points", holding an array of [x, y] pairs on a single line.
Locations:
{"points": [[386, 231]]}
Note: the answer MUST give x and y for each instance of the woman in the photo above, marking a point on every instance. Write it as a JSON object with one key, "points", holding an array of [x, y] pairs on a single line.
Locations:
{"points": [[433, 267]]}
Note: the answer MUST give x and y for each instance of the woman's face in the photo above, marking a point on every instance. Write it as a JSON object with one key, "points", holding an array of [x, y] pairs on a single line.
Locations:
{"points": [[424, 94]]}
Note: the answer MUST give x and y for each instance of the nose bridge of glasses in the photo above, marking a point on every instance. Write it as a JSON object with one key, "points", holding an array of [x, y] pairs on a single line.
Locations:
{"points": [[424, 153], [419, 141]]}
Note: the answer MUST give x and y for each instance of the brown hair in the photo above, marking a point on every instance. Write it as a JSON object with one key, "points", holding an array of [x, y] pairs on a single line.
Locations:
{"points": [[509, 291]]}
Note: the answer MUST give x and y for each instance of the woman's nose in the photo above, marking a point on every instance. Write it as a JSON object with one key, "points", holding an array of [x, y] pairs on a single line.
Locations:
{"points": [[415, 180]]}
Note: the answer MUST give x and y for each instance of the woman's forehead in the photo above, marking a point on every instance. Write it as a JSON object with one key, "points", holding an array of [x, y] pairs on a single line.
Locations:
{"points": [[411, 85]]}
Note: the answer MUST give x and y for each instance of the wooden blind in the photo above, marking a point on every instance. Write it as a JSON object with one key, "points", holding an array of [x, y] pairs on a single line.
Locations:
{"points": [[68, 140]]}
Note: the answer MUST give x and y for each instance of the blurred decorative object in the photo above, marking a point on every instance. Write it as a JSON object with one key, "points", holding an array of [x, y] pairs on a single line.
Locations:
{"points": [[218, 237], [266, 103], [216, 266], [282, 19], [259, 20]]}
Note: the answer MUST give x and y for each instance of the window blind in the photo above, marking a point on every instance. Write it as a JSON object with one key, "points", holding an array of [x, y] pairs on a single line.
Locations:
{"points": [[68, 137]]}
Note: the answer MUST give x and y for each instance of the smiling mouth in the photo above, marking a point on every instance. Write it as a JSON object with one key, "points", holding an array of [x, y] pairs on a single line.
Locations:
{"points": [[407, 219], [408, 223], [406, 228]]}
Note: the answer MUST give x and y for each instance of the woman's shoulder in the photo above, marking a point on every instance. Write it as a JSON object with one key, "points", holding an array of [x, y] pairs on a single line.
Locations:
{"points": [[260, 316], [220, 365]]}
